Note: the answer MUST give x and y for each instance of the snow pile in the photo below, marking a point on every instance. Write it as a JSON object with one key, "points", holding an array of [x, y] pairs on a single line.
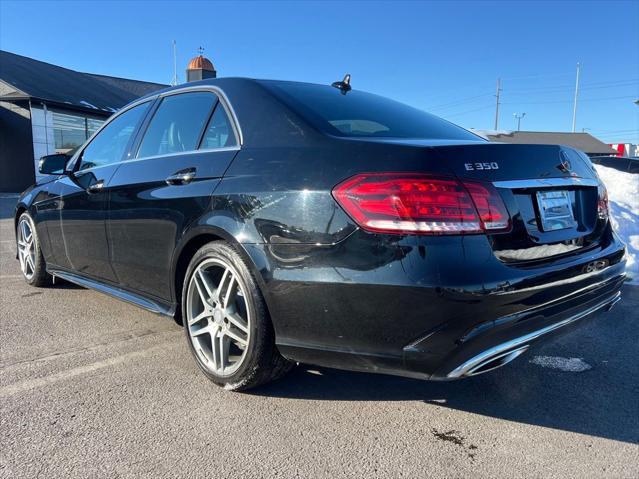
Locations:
{"points": [[486, 133], [535, 252], [570, 365], [623, 194]]}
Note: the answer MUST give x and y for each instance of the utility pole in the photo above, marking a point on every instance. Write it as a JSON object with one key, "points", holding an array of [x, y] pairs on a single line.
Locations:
{"points": [[174, 82], [497, 104], [519, 117], [574, 107]]}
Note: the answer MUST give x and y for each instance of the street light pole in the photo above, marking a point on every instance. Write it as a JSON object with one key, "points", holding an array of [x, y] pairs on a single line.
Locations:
{"points": [[574, 107], [519, 117]]}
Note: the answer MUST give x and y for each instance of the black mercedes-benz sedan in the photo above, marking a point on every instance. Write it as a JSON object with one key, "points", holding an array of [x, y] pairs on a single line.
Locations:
{"points": [[285, 222]]}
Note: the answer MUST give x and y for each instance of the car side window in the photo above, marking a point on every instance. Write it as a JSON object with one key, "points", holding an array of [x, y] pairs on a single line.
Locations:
{"points": [[109, 144], [219, 132], [177, 124]]}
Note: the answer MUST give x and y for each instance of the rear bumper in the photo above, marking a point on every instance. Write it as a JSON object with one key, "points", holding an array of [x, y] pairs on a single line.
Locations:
{"points": [[433, 308], [502, 353]]}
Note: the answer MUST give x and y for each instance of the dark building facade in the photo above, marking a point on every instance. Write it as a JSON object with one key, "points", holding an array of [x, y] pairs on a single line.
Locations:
{"points": [[47, 109]]}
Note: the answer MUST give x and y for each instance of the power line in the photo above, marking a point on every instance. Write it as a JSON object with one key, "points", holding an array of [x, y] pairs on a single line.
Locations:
{"points": [[614, 135], [556, 75], [468, 111], [566, 101], [521, 92], [461, 101], [533, 91], [631, 130], [593, 85], [612, 81]]}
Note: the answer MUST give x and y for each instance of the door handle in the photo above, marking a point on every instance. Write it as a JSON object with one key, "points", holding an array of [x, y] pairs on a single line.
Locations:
{"points": [[182, 177], [96, 187]]}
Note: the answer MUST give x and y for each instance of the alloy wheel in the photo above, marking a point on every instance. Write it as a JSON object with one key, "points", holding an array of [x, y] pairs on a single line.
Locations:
{"points": [[26, 247], [218, 317]]}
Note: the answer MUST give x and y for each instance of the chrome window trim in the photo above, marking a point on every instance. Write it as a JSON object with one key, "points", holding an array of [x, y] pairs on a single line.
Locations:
{"points": [[230, 112], [228, 109], [180, 153], [545, 183], [223, 99]]}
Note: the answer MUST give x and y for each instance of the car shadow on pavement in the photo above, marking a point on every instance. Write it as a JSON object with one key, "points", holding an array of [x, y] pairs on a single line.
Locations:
{"points": [[602, 401], [523, 394]]}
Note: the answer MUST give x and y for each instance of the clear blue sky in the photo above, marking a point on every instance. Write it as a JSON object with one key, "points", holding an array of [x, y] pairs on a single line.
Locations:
{"points": [[443, 57]]}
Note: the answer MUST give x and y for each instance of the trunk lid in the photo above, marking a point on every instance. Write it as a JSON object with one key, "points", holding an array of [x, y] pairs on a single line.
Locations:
{"points": [[552, 194], [501, 162]]}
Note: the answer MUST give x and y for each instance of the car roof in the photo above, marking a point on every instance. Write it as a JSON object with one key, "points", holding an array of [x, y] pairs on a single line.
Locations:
{"points": [[221, 82]]}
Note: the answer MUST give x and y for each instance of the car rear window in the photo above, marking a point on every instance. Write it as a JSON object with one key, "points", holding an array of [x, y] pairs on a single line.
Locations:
{"points": [[360, 114]]}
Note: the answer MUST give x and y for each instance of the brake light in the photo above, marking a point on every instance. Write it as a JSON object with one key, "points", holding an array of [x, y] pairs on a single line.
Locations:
{"points": [[602, 202], [491, 208], [421, 204]]}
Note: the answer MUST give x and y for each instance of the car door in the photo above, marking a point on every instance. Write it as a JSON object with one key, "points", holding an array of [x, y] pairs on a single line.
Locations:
{"points": [[84, 194], [187, 146]]}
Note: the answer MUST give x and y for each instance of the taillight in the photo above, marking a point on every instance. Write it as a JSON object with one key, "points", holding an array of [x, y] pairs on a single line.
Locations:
{"points": [[491, 208], [421, 204], [602, 202]]}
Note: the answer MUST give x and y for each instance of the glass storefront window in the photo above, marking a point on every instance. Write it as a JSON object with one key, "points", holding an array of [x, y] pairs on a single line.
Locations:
{"points": [[71, 131], [92, 126]]}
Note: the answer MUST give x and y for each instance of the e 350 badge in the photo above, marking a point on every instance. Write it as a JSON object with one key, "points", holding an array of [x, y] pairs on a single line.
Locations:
{"points": [[481, 166]]}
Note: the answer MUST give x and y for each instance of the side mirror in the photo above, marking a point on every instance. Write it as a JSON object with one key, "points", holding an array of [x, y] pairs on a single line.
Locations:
{"points": [[53, 164]]}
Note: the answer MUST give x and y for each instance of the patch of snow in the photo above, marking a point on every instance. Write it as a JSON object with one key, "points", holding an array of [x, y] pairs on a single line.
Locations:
{"points": [[535, 252], [623, 195], [486, 133], [570, 365]]}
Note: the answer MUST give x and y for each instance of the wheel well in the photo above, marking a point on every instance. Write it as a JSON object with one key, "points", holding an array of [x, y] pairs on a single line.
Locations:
{"points": [[182, 264], [19, 212]]}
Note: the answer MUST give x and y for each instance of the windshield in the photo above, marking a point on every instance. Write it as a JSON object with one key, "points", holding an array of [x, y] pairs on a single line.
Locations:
{"points": [[360, 114]]}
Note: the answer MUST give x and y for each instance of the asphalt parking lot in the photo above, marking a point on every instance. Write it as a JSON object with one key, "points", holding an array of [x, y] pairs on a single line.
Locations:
{"points": [[93, 387]]}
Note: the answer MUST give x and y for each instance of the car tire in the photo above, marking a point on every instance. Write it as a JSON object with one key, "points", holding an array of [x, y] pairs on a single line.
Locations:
{"points": [[32, 264], [226, 321]]}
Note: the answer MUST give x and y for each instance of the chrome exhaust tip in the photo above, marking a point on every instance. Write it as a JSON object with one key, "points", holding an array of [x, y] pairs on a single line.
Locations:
{"points": [[495, 362], [486, 363]]}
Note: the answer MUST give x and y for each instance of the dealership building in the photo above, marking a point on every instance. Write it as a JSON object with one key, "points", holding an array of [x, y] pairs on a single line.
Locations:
{"points": [[581, 141], [47, 109]]}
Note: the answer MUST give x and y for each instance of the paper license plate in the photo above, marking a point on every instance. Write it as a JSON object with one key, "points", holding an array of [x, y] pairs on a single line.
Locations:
{"points": [[555, 208]]}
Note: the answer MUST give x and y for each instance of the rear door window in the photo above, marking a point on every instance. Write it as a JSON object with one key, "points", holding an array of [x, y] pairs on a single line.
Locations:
{"points": [[177, 124], [219, 132]]}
